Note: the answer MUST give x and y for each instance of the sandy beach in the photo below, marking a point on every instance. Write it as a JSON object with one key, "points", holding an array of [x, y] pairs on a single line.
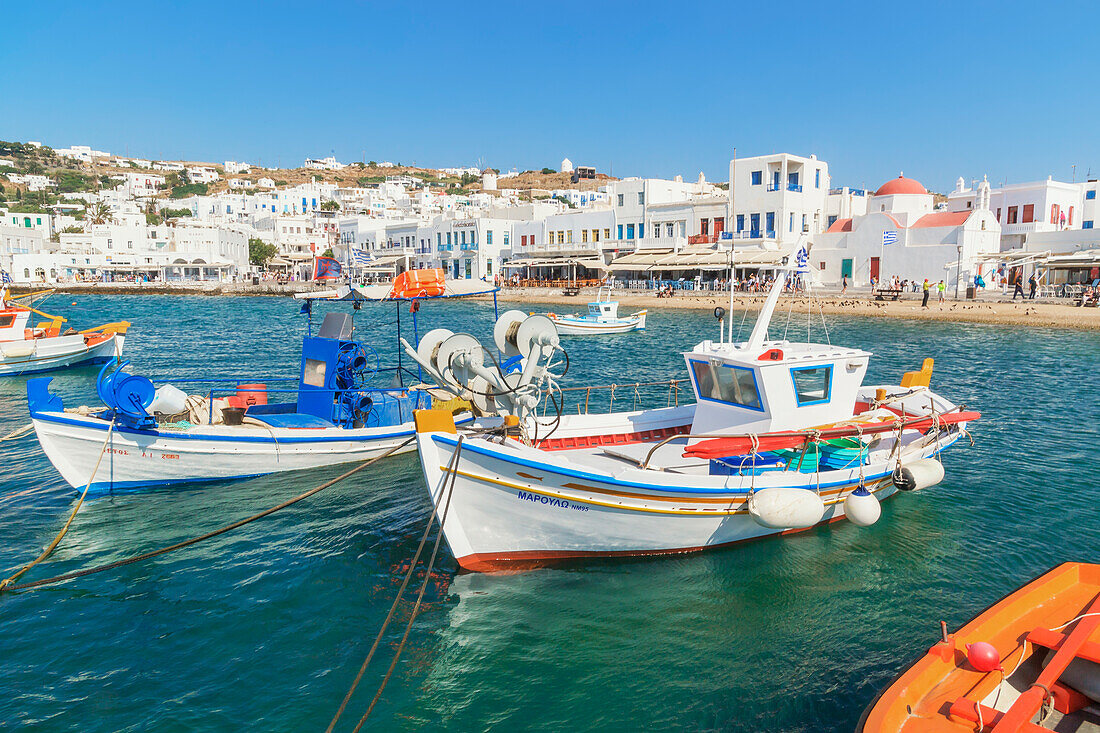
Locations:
{"points": [[992, 309]]}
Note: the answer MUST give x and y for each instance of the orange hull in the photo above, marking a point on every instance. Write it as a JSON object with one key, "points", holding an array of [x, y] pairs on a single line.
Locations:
{"points": [[942, 691]]}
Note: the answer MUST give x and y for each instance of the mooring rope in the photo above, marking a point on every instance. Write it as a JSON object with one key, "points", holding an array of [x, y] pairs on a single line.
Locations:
{"points": [[420, 595], [452, 465], [18, 433], [7, 582], [200, 538]]}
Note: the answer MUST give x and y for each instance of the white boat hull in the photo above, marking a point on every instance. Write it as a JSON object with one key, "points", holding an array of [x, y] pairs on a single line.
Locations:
{"points": [[46, 354], [568, 326], [511, 508], [139, 458]]}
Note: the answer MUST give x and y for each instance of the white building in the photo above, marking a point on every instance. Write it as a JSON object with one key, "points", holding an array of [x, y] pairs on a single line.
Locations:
{"points": [[22, 234], [83, 153], [844, 203], [138, 185], [240, 183], [566, 165], [202, 174], [581, 199], [468, 249], [774, 199], [166, 166], [1025, 208], [902, 236], [233, 168], [461, 171], [266, 183], [32, 181], [324, 164], [633, 199]]}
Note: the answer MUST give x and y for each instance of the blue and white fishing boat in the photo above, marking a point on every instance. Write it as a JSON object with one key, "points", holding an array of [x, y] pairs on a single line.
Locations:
{"points": [[331, 413], [602, 317]]}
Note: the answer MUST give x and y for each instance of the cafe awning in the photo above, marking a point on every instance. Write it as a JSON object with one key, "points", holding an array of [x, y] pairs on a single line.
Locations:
{"points": [[589, 262]]}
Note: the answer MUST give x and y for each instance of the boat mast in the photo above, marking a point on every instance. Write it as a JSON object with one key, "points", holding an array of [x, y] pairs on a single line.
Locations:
{"points": [[732, 222], [760, 330]]}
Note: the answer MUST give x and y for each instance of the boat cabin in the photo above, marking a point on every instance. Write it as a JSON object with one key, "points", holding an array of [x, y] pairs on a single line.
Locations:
{"points": [[13, 321], [778, 385], [603, 310]]}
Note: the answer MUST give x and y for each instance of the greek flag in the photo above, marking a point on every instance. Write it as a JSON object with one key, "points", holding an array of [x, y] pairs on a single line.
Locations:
{"points": [[802, 260], [5, 277], [360, 257], [890, 237]]}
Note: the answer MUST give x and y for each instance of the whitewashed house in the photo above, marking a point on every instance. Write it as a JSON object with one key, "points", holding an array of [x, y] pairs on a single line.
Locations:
{"points": [[774, 199], [1026, 208], [202, 174]]}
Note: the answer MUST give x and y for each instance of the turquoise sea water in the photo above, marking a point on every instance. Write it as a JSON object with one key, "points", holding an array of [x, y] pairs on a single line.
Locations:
{"points": [[264, 628]]}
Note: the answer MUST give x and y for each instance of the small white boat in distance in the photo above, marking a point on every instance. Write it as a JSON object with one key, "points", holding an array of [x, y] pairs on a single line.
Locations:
{"points": [[29, 350], [602, 317]]}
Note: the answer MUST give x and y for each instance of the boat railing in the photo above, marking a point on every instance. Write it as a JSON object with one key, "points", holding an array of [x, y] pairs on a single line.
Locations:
{"points": [[592, 399], [225, 386]]}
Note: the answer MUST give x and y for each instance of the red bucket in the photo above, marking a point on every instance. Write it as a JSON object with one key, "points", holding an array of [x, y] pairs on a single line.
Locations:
{"points": [[252, 394]]}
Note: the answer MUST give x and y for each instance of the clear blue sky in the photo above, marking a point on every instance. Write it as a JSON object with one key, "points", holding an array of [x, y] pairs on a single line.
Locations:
{"points": [[650, 89]]}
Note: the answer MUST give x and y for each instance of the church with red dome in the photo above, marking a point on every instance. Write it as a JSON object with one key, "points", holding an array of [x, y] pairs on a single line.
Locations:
{"points": [[902, 234]]}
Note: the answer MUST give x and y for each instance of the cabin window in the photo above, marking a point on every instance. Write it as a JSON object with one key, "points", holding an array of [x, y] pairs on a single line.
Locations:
{"points": [[812, 385], [6, 321], [724, 383]]}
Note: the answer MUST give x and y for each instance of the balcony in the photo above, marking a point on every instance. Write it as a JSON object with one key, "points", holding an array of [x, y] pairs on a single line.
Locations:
{"points": [[796, 187], [775, 187], [703, 239]]}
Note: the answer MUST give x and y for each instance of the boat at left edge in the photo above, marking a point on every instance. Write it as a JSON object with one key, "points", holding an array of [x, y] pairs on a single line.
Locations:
{"points": [[248, 426], [27, 349]]}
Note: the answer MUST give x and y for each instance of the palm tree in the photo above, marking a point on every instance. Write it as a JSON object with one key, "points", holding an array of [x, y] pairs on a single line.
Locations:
{"points": [[100, 213]]}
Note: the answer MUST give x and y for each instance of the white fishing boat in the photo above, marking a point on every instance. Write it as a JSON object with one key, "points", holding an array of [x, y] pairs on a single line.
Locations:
{"points": [[602, 318], [783, 436], [26, 349], [247, 426]]}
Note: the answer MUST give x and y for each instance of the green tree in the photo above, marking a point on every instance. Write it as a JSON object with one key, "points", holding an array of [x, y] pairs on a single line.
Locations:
{"points": [[100, 213], [327, 253], [330, 205], [548, 171], [259, 251]]}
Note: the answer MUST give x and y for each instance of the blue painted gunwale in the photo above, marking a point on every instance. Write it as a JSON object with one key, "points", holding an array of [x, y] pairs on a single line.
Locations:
{"points": [[155, 434]]}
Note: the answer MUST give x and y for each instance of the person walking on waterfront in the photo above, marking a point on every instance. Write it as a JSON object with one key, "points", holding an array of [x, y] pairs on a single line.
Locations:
{"points": [[941, 289], [927, 289], [1019, 289], [1033, 285], [843, 284]]}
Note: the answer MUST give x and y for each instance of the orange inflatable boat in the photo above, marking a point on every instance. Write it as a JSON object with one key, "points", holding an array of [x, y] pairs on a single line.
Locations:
{"points": [[1029, 663]]}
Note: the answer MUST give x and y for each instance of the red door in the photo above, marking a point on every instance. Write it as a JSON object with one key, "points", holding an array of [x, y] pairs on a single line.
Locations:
{"points": [[719, 225], [874, 269]]}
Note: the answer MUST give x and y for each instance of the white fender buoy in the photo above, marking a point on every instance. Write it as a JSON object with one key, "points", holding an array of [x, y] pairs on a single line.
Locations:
{"points": [[919, 474], [862, 507], [786, 508]]}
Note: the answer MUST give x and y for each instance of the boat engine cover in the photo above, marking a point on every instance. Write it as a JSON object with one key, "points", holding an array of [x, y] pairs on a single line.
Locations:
{"points": [[786, 507], [918, 475]]}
